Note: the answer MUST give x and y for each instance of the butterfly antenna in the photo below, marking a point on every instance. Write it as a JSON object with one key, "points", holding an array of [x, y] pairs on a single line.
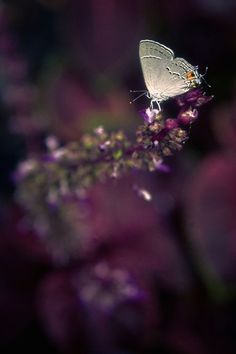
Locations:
{"points": [[206, 70], [137, 90], [136, 98], [202, 76]]}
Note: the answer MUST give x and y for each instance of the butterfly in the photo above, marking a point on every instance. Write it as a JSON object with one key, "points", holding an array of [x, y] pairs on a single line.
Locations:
{"points": [[165, 76]]}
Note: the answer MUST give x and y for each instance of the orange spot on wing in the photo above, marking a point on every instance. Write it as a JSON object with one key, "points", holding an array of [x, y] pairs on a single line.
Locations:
{"points": [[190, 75]]}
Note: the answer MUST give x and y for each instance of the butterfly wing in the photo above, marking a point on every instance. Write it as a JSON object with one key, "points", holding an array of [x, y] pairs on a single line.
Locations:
{"points": [[153, 57], [153, 73], [148, 48], [182, 77]]}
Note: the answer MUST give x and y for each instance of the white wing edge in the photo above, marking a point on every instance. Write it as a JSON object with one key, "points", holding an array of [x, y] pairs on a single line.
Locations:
{"points": [[161, 45]]}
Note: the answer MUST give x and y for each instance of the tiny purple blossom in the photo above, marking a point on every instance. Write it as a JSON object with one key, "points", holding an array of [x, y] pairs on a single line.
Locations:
{"points": [[58, 153], [171, 123], [52, 143], [187, 116], [149, 115], [105, 145], [24, 169], [160, 166], [99, 130]]}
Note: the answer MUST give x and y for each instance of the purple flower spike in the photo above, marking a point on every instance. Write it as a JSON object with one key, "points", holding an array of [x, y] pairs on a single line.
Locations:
{"points": [[187, 116], [195, 98], [149, 115]]}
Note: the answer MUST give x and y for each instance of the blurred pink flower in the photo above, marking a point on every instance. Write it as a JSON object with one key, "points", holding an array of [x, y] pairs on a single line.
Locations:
{"points": [[210, 212]]}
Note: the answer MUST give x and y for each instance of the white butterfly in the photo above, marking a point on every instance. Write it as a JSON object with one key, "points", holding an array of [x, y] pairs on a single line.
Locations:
{"points": [[164, 75]]}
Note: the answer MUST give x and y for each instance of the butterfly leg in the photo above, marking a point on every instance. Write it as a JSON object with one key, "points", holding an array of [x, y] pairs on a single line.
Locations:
{"points": [[157, 102], [158, 105], [151, 104]]}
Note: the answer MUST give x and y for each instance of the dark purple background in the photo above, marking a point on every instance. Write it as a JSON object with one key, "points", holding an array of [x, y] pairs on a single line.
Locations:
{"points": [[144, 278]]}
